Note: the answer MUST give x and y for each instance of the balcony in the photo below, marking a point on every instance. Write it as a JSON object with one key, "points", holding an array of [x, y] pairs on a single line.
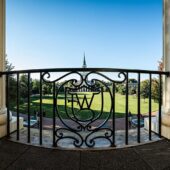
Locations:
{"points": [[83, 108], [84, 120]]}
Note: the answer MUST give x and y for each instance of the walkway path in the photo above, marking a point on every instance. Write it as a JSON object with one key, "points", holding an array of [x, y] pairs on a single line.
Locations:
{"points": [[48, 122], [153, 156]]}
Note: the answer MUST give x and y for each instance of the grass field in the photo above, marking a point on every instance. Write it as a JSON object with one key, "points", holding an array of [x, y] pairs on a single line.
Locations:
{"points": [[96, 105]]}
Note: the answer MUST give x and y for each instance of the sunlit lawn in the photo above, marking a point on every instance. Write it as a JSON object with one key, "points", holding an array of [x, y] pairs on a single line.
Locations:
{"points": [[96, 105]]}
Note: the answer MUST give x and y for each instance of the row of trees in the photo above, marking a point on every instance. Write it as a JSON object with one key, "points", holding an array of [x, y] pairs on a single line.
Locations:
{"points": [[47, 87], [144, 89], [154, 88], [145, 86], [23, 86]]}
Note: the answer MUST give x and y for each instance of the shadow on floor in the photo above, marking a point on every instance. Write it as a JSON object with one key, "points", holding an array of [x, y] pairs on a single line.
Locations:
{"points": [[153, 156]]}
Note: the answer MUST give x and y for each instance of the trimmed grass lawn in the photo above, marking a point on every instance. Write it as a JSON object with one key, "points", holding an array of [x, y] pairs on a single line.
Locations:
{"points": [[96, 105]]}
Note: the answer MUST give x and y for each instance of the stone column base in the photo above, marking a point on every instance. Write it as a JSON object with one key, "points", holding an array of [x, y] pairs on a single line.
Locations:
{"points": [[3, 116], [13, 126], [165, 128]]}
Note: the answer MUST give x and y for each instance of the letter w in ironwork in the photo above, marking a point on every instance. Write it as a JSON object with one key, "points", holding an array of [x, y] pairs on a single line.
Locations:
{"points": [[85, 101]]}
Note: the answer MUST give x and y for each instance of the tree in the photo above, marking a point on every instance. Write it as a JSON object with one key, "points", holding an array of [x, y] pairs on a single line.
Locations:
{"points": [[44, 89], [132, 86], [8, 65], [35, 86], [12, 81], [155, 89], [121, 89], [47, 88], [23, 85], [132, 90], [160, 65], [132, 80], [145, 89], [12, 89]]}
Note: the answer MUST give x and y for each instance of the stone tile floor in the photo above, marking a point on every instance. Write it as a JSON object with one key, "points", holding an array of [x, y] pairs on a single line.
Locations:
{"points": [[67, 143], [152, 156]]}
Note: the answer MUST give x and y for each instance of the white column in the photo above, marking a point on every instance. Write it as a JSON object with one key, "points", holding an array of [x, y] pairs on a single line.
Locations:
{"points": [[165, 126], [2, 58], [166, 55]]}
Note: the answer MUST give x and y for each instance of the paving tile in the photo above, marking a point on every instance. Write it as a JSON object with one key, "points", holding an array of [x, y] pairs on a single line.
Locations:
{"points": [[156, 154], [42, 159], [9, 152], [118, 159], [153, 156]]}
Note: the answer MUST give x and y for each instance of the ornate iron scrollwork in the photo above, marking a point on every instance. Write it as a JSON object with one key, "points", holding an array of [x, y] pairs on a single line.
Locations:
{"points": [[78, 95]]}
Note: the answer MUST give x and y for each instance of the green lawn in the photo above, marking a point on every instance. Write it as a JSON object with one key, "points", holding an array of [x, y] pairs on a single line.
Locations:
{"points": [[96, 105]]}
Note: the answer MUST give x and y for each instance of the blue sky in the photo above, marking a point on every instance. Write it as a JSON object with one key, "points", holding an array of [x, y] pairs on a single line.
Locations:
{"points": [[113, 33]]}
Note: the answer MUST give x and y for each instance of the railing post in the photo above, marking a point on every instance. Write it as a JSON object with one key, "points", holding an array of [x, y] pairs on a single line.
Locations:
{"points": [[40, 127], [28, 107], [138, 111], [113, 116], [54, 114], [150, 106], [126, 110]]}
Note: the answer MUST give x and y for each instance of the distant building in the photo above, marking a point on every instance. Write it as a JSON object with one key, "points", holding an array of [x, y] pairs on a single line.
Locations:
{"points": [[86, 84], [84, 74], [84, 66], [84, 62], [133, 83]]}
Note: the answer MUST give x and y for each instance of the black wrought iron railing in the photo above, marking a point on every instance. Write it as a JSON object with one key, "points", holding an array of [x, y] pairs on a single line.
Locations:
{"points": [[81, 116]]}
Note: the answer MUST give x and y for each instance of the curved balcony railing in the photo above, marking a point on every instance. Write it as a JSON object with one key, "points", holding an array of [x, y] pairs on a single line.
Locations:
{"points": [[82, 118]]}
